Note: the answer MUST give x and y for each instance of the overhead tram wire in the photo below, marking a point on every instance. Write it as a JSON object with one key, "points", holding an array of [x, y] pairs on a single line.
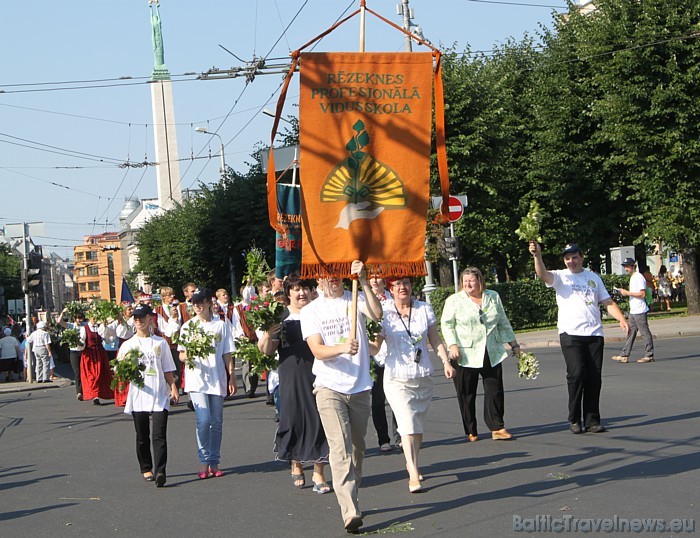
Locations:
{"points": [[524, 4], [249, 78], [54, 183]]}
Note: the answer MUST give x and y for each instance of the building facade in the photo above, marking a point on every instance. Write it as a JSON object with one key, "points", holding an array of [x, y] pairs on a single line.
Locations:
{"points": [[98, 267]]}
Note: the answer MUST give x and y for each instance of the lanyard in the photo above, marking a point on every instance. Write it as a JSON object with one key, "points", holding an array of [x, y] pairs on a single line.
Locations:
{"points": [[408, 329]]}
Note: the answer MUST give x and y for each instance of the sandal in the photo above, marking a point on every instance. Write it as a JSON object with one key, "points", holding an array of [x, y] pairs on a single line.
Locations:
{"points": [[202, 474], [215, 473], [298, 478], [321, 488], [148, 477]]}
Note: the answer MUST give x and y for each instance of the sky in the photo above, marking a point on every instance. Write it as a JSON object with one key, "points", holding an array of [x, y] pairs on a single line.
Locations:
{"points": [[69, 116]]}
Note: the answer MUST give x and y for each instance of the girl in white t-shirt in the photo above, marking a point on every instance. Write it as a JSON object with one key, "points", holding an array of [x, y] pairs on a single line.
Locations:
{"points": [[153, 399], [211, 379]]}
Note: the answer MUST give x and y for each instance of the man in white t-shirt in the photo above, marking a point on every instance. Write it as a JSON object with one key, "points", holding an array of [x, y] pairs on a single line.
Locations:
{"points": [[343, 382], [579, 292], [638, 314]]}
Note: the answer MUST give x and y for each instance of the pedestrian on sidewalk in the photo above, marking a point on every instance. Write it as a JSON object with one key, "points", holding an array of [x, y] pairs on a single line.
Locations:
{"points": [[579, 292], [150, 403], [343, 382], [638, 314], [40, 344]]}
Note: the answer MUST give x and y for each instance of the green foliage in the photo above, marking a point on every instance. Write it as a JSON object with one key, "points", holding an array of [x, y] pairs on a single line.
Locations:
{"points": [[128, 368], [200, 239], [76, 308], [437, 300], [257, 267], [198, 343], [70, 337], [530, 304], [10, 273], [529, 229], [103, 311], [264, 312], [250, 352]]}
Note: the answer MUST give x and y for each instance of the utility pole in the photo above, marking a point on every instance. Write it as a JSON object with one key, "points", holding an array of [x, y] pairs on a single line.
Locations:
{"points": [[405, 11]]}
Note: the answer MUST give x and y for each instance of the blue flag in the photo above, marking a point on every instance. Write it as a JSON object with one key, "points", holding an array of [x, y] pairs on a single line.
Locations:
{"points": [[127, 297]]}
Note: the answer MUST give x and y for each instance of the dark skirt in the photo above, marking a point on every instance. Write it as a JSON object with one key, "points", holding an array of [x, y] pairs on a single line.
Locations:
{"points": [[9, 365], [300, 436]]}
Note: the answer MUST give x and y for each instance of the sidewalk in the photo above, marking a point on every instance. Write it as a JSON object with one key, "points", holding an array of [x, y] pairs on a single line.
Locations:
{"points": [[674, 327]]}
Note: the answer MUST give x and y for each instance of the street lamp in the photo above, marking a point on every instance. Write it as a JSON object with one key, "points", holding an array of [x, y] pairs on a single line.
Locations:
{"points": [[203, 130]]}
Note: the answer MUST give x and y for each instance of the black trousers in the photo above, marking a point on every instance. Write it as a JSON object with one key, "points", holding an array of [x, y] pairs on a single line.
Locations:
{"points": [[143, 440], [379, 410], [466, 382], [250, 381], [75, 364], [584, 376]]}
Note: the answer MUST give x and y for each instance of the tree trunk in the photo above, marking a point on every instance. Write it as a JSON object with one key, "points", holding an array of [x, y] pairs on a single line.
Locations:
{"points": [[690, 275]]}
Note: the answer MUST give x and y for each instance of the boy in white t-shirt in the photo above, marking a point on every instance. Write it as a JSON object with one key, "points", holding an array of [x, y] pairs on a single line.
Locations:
{"points": [[343, 382], [638, 314]]}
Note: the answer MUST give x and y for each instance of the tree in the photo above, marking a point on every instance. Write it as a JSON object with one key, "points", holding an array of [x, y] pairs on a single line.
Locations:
{"points": [[488, 126], [10, 274], [644, 59], [198, 240]]}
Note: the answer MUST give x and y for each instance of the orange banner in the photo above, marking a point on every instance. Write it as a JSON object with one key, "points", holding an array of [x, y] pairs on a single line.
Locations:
{"points": [[365, 124]]}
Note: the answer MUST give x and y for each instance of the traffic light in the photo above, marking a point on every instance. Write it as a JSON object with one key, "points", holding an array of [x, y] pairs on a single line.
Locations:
{"points": [[452, 248], [31, 280]]}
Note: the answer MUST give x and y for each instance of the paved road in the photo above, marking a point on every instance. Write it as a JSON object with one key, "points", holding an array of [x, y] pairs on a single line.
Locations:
{"points": [[69, 468]]}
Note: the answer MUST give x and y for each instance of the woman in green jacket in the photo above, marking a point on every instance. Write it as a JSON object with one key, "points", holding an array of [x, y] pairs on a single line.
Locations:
{"points": [[475, 327]]}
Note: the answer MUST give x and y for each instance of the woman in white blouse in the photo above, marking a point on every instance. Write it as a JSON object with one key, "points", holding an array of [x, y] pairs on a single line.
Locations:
{"points": [[407, 326]]}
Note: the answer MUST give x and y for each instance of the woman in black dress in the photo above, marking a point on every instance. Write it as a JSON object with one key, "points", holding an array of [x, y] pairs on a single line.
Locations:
{"points": [[300, 437]]}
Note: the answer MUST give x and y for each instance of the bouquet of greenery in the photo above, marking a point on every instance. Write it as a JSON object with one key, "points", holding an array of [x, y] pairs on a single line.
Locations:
{"points": [[75, 308], [257, 267], [128, 368], [528, 366], [249, 351], [70, 337], [373, 328], [529, 229], [264, 312], [104, 311], [197, 342]]}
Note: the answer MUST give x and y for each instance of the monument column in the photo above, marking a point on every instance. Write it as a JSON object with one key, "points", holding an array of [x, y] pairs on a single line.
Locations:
{"points": [[164, 128]]}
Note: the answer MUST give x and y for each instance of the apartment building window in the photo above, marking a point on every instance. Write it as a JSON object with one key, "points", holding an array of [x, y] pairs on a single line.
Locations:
{"points": [[93, 286], [79, 256], [91, 255], [82, 272], [82, 286], [93, 270]]}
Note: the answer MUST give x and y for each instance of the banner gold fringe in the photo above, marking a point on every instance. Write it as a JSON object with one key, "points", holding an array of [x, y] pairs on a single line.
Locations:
{"points": [[380, 270]]}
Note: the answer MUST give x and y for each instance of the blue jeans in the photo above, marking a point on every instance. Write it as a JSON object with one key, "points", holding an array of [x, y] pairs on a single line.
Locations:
{"points": [[209, 409]]}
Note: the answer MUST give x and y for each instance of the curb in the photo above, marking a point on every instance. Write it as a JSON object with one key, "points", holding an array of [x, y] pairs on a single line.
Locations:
{"points": [[23, 386], [611, 339]]}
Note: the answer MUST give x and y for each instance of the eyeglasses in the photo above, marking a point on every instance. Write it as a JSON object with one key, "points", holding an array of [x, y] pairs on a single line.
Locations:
{"points": [[401, 284]]}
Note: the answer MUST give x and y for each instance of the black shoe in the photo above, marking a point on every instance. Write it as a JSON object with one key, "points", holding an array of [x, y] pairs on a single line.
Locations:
{"points": [[96, 401], [250, 394], [576, 428], [160, 480], [190, 406], [596, 428]]}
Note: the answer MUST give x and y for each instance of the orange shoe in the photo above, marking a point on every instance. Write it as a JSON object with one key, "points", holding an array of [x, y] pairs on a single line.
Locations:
{"points": [[501, 435]]}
